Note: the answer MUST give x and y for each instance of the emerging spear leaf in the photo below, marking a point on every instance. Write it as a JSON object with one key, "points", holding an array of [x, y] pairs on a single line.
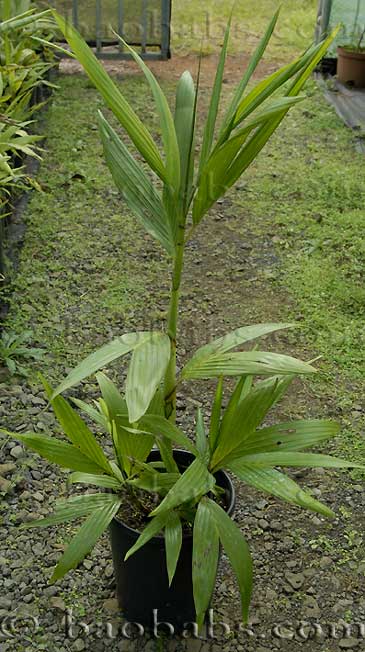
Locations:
{"points": [[185, 112]]}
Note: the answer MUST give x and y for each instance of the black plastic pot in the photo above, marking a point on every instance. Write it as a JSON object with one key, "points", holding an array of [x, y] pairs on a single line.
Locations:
{"points": [[142, 582]]}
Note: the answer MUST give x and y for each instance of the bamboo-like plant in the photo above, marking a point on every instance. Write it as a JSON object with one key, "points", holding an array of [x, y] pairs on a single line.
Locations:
{"points": [[22, 69], [358, 32], [23, 38], [144, 416]]}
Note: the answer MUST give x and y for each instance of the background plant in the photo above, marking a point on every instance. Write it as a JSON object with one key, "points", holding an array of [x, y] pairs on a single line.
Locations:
{"points": [[15, 142], [25, 57], [358, 31], [356, 36], [25, 60]]}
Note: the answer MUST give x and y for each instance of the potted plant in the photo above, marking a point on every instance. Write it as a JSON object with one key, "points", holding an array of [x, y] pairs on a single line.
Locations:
{"points": [[351, 56], [166, 498]]}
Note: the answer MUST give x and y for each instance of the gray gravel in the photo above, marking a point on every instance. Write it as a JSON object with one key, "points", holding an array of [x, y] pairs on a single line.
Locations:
{"points": [[296, 579]]}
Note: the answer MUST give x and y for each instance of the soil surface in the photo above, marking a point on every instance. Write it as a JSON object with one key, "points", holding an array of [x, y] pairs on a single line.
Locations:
{"points": [[172, 69], [88, 273]]}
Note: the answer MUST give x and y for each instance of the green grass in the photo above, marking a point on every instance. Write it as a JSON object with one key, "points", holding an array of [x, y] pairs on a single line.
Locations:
{"points": [[79, 271], [307, 194], [196, 24], [311, 189]]}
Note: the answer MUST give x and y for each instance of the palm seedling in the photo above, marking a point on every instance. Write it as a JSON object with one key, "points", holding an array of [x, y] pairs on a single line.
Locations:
{"points": [[15, 348], [144, 416]]}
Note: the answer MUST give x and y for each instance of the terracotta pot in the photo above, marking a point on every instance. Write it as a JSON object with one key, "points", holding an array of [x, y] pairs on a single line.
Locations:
{"points": [[351, 67]]}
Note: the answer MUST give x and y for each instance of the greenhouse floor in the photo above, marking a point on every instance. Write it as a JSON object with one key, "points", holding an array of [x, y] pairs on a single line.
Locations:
{"points": [[350, 106]]}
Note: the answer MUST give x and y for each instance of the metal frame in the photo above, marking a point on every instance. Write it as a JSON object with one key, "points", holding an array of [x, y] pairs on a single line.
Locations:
{"points": [[98, 44], [323, 19], [328, 65], [326, 19]]}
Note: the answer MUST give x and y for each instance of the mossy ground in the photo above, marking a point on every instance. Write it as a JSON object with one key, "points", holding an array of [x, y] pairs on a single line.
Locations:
{"points": [[286, 244]]}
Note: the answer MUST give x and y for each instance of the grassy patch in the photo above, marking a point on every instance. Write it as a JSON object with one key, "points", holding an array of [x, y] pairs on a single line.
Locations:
{"points": [[311, 189], [307, 194], [79, 275], [194, 22]]}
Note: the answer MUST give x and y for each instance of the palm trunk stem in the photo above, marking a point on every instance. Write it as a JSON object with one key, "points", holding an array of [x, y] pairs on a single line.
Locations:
{"points": [[170, 377]]}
